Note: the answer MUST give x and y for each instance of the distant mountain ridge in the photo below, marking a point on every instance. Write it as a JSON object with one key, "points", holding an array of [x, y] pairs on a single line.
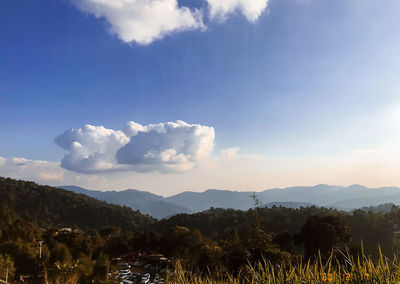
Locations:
{"points": [[146, 202], [200, 201], [330, 196], [340, 197]]}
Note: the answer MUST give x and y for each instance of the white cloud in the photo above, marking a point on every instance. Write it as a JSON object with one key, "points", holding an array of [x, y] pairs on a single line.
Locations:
{"points": [[91, 148], [132, 128], [170, 146], [230, 153], [45, 172], [143, 21], [51, 176], [251, 9], [31, 169], [165, 147]]}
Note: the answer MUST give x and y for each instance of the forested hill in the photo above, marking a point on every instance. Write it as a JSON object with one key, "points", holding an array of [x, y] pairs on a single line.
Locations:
{"points": [[51, 206]]}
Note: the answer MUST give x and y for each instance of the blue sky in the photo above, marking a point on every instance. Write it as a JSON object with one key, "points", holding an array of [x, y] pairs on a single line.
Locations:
{"points": [[305, 81]]}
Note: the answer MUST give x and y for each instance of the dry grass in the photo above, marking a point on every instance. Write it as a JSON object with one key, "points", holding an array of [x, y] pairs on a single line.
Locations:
{"points": [[349, 270]]}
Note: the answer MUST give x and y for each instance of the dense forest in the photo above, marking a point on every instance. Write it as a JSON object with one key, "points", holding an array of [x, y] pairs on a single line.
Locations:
{"points": [[65, 237], [372, 227], [49, 206]]}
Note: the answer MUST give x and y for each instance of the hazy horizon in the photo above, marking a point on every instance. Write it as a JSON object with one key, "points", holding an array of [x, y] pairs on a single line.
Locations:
{"points": [[249, 190]]}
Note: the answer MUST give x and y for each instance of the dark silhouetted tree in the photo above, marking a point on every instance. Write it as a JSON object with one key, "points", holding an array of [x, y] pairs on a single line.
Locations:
{"points": [[322, 233]]}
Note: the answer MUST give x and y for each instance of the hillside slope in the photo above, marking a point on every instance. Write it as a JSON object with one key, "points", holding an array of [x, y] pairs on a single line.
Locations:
{"points": [[51, 206]]}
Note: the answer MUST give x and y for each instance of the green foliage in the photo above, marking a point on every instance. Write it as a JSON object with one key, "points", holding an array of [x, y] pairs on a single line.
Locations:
{"points": [[49, 206], [18, 239], [109, 231], [371, 227], [219, 245], [85, 268], [322, 233], [191, 246], [360, 269], [217, 222], [384, 208], [67, 257], [7, 269], [374, 228], [59, 253], [284, 241], [101, 267], [65, 271]]}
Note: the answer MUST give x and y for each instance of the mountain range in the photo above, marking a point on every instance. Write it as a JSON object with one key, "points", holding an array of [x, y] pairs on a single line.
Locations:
{"points": [[330, 196], [146, 202]]}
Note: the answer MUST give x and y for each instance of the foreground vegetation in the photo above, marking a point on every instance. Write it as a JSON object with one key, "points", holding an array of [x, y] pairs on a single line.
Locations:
{"points": [[362, 269], [50, 234]]}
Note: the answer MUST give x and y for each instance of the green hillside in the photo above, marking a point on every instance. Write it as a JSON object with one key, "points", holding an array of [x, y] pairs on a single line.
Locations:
{"points": [[49, 206]]}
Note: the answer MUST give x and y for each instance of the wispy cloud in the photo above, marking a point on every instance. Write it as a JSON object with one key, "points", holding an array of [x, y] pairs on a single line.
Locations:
{"points": [[31, 169], [44, 172]]}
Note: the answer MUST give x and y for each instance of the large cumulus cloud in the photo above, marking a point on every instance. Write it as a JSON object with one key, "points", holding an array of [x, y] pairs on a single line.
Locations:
{"points": [[165, 147], [168, 146], [91, 148]]}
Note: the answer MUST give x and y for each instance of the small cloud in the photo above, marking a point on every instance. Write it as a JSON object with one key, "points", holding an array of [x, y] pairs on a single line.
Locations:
{"points": [[230, 153], [251, 9], [51, 176]]}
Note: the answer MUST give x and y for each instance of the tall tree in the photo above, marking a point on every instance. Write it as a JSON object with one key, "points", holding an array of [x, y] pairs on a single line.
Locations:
{"points": [[322, 233]]}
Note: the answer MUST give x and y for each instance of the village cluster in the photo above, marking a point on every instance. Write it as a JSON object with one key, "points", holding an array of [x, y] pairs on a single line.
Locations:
{"points": [[144, 269]]}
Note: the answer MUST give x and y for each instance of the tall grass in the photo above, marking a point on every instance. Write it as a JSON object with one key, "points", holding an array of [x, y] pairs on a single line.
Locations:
{"points": [[339, 268]]}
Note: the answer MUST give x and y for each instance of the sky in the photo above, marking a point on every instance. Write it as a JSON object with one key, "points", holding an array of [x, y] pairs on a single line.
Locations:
{"points": [[167, 96]]}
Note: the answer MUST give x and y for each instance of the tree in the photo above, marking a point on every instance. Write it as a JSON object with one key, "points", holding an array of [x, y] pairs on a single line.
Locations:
{"points": [[101, 267], [7, 268], [60, 252], [322, 233], [284, 240]]}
